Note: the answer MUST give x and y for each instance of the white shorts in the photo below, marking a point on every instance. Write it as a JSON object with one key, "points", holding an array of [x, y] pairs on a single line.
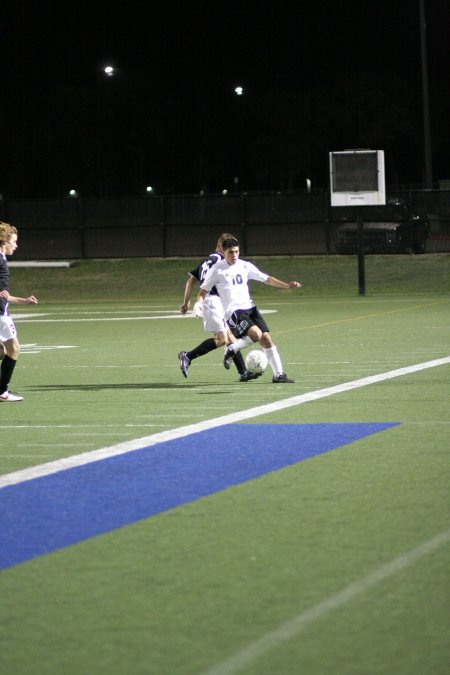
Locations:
{"points": [[7, 328], [213, 316]]}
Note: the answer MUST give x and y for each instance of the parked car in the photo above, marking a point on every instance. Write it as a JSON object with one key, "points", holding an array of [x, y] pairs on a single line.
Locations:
{"points": [[386, 229]]}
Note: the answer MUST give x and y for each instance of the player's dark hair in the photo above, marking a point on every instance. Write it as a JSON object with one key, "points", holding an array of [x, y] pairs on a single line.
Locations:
{"points": [[229, 243]]}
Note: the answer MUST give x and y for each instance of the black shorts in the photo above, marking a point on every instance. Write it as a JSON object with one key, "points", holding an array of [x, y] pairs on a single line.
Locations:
{"points": [[243, 319]]}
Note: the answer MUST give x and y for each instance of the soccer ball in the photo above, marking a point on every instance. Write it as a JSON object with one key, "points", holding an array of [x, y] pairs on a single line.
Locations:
{"points": [[256, 361]]}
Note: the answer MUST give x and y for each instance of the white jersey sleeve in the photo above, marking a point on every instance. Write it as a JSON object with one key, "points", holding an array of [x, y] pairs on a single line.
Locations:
{"points": [[231, 282], [255, 273]]}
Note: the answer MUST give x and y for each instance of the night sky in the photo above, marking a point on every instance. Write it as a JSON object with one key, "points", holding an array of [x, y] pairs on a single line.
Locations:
{"points": [[320, 77]]}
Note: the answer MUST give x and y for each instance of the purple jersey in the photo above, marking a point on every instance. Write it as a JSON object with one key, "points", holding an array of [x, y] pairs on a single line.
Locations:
{"points": [[202, 270]]}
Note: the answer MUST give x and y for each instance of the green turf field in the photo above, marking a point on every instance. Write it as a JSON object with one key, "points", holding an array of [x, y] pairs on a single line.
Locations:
{"points": [[336, 564]]}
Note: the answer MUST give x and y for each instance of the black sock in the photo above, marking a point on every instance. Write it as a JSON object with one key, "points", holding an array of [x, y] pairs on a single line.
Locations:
{"points": [[239, 362], [202, 349], [6, 370]]}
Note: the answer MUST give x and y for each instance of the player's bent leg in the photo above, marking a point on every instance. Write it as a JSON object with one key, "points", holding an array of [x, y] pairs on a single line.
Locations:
{"points": [[12, 348], [279, 376], [239, 362], [266, 341], [255, 334], [234, 349], [220, 339], [247, 340]]}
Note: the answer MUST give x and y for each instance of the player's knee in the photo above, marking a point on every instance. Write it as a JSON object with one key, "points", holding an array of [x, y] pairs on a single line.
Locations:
{"points": [[265, 340], [220, 339], [12, 349], [254, 333]]}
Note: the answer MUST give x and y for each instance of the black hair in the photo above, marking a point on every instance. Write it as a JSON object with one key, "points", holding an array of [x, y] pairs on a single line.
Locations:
{"points": [[229, 243]]}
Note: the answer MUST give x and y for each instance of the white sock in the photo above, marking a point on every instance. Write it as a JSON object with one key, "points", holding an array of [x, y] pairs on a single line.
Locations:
{"points": [[274, 360], [240, 344]]}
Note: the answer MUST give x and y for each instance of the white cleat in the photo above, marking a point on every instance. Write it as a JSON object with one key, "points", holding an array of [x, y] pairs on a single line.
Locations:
{"points": [[10, 398]]}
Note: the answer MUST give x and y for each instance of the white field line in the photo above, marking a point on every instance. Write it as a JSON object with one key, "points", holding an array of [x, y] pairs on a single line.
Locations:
{"points": [[286, 631], [27, 315], [29, 318], [77, 426], [171, 434], [108, 318]]}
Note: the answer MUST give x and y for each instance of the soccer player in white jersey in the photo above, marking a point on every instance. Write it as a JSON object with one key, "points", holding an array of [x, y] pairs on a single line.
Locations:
{"points": [[8, 335], [211, 311], [231, 276]]}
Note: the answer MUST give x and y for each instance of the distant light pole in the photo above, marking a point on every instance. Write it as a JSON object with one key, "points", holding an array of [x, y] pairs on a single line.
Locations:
{"points": [[240, 91], [108, 111], [425, 99]]}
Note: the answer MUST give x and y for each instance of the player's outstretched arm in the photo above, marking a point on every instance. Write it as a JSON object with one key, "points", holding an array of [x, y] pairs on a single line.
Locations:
{"points": [[187, 295], [13, 299], [273, 281]]}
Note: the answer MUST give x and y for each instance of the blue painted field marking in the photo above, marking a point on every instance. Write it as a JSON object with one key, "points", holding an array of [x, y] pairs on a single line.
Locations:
{"points": [[51, 512], [72, 461]]}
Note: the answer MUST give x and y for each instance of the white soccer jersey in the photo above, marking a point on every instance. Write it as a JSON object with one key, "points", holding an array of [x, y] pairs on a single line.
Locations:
{"points": [[231, 282]]}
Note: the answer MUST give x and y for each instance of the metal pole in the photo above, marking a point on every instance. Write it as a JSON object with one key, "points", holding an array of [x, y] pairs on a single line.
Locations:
{"points": [[361, 258], [425, 99]]}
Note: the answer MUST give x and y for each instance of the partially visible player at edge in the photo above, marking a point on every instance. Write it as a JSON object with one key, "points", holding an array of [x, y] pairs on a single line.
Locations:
{"points": [[231, 277], [10, 348], [211, 311]]}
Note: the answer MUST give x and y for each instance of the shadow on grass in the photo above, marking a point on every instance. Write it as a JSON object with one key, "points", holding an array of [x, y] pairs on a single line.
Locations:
{"points": [[103, 387]]}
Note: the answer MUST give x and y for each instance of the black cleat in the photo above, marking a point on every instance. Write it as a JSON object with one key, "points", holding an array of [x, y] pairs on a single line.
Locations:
{"points": [[282, 378], [228, 357], [185, 362], [247, 375]]}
